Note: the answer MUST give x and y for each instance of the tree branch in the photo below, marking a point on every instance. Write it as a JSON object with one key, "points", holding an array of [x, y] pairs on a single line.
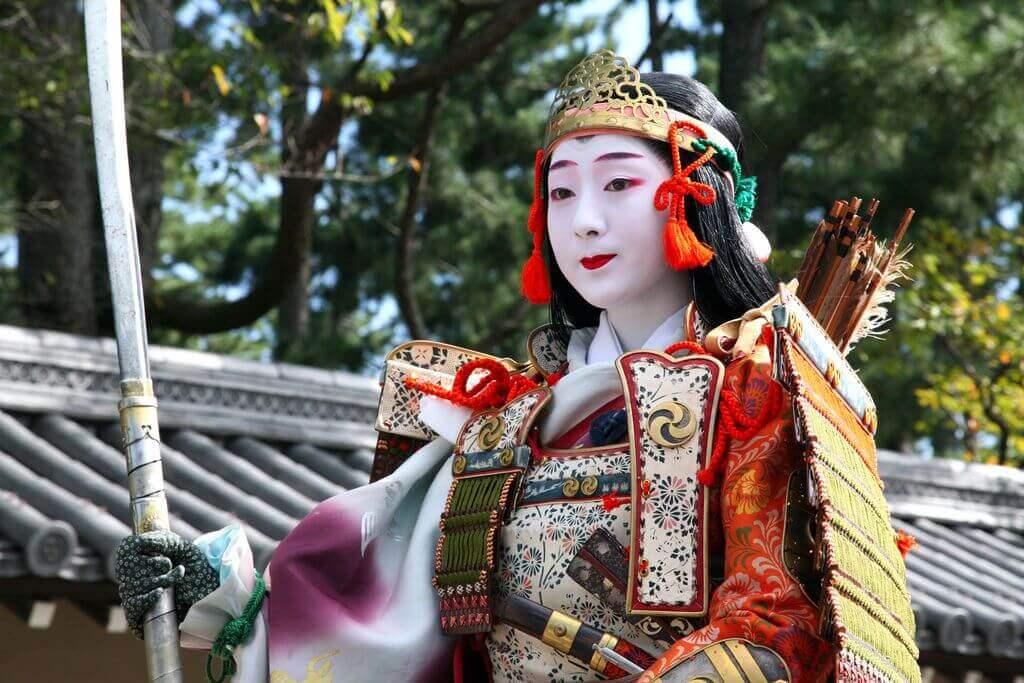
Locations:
{"points": [[303, 155], [415, 189], [655, 30], [985, 393], [476, 48]]}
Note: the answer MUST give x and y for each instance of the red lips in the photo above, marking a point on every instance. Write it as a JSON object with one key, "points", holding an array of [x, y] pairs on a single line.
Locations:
{"points": [[595, 262]]}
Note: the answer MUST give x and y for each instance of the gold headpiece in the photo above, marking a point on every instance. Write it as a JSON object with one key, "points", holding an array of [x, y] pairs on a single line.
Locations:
{"points": [[604, 93]]}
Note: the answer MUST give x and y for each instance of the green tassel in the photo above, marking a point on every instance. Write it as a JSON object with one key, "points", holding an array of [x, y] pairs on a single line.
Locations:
{"points": [[746, 197], [234, 633], [746, 187]]}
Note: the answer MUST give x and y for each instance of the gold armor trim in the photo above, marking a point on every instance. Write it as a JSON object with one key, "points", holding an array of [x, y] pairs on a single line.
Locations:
{"points": [[490, 433], [598, 662], [560, 631], [733, 660]]}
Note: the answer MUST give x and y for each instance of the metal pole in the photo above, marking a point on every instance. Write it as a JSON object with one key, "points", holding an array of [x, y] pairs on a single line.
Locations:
{"points": [[139, 427]]}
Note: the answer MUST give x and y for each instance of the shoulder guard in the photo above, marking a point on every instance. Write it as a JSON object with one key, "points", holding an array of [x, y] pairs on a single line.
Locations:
{"points": [[865, 604], [546, 350], [401, 432], [435, 362]]}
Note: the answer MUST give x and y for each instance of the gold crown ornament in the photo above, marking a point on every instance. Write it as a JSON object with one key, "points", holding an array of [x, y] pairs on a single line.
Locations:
{"points": [[603, 93]]}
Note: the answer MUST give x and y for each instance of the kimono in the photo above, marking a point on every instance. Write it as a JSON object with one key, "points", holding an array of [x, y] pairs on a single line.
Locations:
{"points": [[724, 586]]}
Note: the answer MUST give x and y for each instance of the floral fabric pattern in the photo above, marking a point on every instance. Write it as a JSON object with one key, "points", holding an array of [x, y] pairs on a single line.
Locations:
{"points": [[537, 545], [759, 600]]}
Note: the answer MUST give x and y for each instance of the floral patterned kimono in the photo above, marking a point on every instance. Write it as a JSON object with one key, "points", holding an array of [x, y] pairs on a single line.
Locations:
{"points": [[350, 589]]}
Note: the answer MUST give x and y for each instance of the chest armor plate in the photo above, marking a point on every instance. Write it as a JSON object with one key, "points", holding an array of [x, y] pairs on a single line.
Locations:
{"points": [[670, 411]]}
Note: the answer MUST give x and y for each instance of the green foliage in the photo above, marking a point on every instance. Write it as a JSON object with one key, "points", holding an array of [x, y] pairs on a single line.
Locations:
{"points": [[920, 106]]}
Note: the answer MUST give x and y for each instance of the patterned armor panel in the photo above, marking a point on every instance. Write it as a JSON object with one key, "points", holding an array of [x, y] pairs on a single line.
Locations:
{"points": [[399, 409], [865, 602], [671, 406], [546, 350], [490, 458], [539, 543]]}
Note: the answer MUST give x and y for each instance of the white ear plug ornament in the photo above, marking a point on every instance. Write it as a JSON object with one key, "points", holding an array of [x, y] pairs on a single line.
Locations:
{"points": [[758, 242]]}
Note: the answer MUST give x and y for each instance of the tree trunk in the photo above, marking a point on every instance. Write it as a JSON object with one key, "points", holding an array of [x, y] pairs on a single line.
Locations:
{"points": [[741, 58], [769, 183], [297, 198], [654, 31], [56, 198], [741, 51]]}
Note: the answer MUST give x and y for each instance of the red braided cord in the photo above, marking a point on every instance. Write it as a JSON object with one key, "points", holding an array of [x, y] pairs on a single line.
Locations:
{"points": [[535, 221], [691, 346], [672, 193], [905, 542], [496, 388], [519, 385], [734, 423]]}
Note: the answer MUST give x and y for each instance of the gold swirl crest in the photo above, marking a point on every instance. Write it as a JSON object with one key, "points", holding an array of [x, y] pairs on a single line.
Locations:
{"points": [[604, 93]]}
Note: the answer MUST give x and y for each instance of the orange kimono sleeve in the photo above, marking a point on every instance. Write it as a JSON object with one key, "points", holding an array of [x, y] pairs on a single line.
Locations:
{"points": [[759, 601]]}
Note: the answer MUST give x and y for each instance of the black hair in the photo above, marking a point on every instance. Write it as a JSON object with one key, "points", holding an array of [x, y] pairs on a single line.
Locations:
{"points": [[734, 281]]}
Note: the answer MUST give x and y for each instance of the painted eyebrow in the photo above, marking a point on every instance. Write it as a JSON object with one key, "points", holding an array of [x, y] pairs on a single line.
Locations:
{"points": [[618, 155], [561, 164]]}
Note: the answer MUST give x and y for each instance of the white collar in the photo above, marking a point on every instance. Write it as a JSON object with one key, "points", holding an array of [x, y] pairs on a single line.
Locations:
{"points": [[591, 345]]}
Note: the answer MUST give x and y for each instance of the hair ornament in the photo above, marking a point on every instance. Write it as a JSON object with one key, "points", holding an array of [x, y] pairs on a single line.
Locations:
{"points": [[745, 197], [683, 251], [534, 282], [758, 241]]}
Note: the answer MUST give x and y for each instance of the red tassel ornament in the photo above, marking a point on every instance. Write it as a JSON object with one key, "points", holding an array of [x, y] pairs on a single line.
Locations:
{"points": [[683, 251], [905, 542], [533, 281]]}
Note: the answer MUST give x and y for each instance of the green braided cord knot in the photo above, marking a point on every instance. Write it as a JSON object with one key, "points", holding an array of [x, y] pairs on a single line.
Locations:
{"points": [[746, 187], [234, 633]]}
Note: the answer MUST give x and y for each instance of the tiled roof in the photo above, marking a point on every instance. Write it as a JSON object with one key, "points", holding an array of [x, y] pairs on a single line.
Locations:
{"points": [[263, 443], [964, 576]]}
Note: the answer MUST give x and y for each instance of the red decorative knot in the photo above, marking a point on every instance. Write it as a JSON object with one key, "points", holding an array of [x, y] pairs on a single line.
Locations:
{"points": [[691, 346], [496, 388], [683, 251], [734, 423], [645, 488], [644, 567], [905, 542], [611, 501]]}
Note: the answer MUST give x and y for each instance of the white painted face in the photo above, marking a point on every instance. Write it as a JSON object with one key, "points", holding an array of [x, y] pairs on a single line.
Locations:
{"points": [[604, 230]]}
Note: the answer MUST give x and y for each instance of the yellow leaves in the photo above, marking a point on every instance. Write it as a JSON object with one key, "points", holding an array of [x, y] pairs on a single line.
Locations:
{"points": [[336, 21], [1005, 357], [1002, 311], [223, 84], [399, 35], [415, 164]]}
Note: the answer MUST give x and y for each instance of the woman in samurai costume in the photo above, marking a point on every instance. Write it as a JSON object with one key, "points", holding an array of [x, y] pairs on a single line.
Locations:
{"points": [[631, 501]]}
